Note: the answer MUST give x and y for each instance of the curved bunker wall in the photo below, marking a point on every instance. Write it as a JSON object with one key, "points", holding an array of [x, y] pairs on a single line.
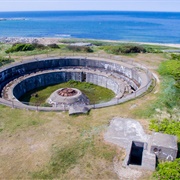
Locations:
{"points": [[11, 72], [46, 79]]}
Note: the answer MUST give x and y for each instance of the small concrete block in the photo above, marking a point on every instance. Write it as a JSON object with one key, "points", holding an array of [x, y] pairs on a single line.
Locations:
{"points": [[78, 110]]}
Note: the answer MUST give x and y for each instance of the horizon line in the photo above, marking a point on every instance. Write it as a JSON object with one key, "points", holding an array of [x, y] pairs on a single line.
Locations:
{"points": [[91, 11]]}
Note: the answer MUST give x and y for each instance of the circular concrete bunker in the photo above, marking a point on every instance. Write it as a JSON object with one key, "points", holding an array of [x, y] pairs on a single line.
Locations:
{"points": [[68, 97], [126, 80]]}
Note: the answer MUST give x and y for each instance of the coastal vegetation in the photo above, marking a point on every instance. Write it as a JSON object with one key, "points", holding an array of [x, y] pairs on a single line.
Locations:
{"points": [[168, 99], [20, 47], [5, 60], [29, 47], [167, 170], [34, 48], [66, 46], [168, 102], [130, 49], [172, 68], [54, 145], [85, 49]]}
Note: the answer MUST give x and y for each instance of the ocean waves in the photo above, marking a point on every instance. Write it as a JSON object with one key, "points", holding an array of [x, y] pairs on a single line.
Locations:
{"points": [[155, 27]]}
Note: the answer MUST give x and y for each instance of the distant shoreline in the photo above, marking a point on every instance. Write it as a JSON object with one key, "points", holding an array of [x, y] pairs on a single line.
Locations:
{"points": [[13, 19], [51, 40]]}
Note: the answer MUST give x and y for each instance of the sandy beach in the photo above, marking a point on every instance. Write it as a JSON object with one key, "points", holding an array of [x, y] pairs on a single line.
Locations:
{"points": [[51, 40]]}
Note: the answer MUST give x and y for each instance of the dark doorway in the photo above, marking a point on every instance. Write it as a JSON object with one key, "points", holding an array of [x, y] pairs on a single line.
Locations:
{"points": [[135, 157], [83, 77], [133, 88]]}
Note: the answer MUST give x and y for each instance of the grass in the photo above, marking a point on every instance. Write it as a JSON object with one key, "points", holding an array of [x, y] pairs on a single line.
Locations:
{"points": [[54, 145], [96, 94], [167, 100], [68, 157], [55, 136], [3, 48], [15, 119]]}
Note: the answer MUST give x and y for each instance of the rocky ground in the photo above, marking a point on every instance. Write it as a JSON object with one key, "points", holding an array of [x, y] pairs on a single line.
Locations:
{"points": [[12, 40]]}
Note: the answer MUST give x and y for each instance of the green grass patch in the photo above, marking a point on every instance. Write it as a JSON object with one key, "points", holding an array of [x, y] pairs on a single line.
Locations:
{"points": [[167, 99], [14, 119], [96, 94], [66, 158], [170, 67], [62, 160]]}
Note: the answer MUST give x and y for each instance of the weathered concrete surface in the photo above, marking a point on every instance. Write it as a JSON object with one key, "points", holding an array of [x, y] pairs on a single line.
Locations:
{"points": [[78, 109], [126, 81], [164, 146], [123, 132], [19, 69], [57, 101]]}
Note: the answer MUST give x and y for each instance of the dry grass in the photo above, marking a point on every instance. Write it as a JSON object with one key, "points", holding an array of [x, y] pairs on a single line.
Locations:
{"points": [[31, 141], [28, 149]]}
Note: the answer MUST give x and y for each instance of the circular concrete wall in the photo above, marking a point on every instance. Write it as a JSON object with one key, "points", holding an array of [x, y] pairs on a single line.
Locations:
{"points": [[19, 78]]}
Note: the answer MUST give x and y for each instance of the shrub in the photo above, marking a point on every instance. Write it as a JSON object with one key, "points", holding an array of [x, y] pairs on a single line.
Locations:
{"points": [[54, 46], [124, 49], [166, 126], [4, 61], [39, 46], [133, 49], [175, 56], [168, 170], [20, 47], [29, 47], [80, 49]]}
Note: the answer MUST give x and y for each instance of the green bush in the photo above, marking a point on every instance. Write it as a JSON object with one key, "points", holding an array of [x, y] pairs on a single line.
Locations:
{"points": [[124, 49], [168, 170], [175, 56], [28, 47], [4, 61], [166, 126], [39, 46], [53, 46], [20, 47], [80, 49]]}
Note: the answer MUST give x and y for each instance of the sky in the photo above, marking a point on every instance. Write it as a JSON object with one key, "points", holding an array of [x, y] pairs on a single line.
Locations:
{"points": [[120, 5]]}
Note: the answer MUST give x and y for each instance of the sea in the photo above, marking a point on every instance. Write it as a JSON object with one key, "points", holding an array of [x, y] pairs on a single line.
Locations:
{"points": [[155, 27]]}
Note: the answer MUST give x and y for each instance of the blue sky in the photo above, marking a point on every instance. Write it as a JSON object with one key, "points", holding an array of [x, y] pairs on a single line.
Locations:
{"points": [[130, 5]]}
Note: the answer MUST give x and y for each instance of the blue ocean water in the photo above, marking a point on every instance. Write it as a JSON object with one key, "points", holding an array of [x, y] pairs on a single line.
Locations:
{"points": [[159, 27]]}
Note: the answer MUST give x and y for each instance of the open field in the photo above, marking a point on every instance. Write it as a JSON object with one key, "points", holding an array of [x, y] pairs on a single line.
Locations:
{"points": [[47, 145]]}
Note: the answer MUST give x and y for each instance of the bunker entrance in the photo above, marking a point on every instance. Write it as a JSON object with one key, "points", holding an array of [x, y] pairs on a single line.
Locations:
{"points": [[133, 88], [135, 157], [83, 77]]}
